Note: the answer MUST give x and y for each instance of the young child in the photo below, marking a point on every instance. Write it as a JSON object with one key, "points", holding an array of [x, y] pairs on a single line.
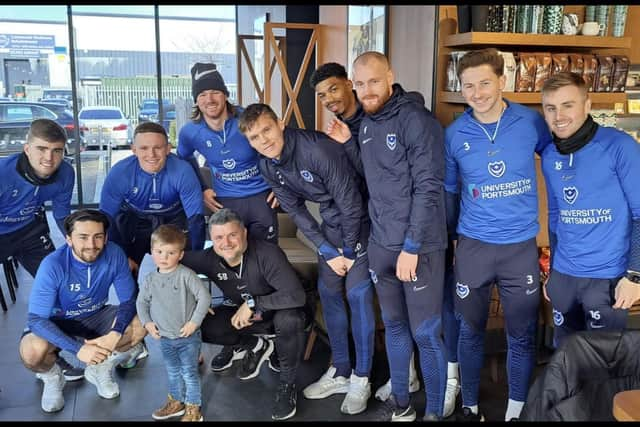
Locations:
{"points": [[171, 305]]}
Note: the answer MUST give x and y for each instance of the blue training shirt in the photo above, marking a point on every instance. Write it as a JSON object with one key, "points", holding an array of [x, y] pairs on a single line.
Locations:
{"points": [[499, 199], [65, 287], [233, 162], [593, 195], [20, 200], [174, 188]]}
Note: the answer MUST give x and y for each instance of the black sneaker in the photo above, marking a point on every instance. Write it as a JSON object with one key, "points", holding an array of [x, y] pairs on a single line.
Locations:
{"points": [[252, 362], [70, 372], [391, 411], [285, 405], [274, 362], [468, 416], [223, 360]]}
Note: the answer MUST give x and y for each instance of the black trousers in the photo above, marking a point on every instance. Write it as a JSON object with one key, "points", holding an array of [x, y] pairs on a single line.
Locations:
{"points": [[287, 325], [29, 244]]}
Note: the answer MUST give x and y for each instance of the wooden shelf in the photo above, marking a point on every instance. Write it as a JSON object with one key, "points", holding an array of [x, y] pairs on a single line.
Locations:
{"points": [[546, 40], [536, 97]]}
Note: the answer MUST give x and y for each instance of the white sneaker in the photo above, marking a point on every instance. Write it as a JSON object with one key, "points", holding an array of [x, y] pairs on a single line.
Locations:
{"points": [[101, 375], [450, 394], [359, 393], [384, 391], [135, 353], [52, 398], [326, 385]]}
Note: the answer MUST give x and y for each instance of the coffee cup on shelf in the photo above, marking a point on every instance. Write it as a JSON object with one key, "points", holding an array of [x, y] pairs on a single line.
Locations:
{"points": [[591, 28]]}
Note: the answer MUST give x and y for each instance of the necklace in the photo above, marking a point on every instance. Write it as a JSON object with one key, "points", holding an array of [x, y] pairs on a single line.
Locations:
{"points": [[492, 138]]}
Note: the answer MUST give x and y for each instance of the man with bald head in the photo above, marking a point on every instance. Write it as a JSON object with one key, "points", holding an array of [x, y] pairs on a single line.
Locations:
{"points": [[402, 154]]}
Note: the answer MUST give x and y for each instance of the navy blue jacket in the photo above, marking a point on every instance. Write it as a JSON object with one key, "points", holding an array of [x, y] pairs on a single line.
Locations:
{"points": [[314, 167], [402, 154]]}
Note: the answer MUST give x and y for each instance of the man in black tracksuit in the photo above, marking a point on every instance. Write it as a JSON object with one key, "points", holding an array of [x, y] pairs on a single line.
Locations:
{"points": [[305, 165], [402, 153], [263, 296]]}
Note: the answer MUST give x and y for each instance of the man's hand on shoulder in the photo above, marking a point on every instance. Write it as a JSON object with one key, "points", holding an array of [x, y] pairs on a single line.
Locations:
{"points": [[338, 131]]}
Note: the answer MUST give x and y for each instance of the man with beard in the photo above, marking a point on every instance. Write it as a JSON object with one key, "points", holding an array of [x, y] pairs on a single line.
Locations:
{"points": [[592, 175], [69, 301], [335, 92], [402, 153], [213, 132]]}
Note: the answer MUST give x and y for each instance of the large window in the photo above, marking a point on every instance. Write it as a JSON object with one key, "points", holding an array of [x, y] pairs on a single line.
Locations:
{"points": [[119, 76], [366, 31]]}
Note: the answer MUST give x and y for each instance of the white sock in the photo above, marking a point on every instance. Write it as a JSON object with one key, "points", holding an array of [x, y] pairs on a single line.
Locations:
{"points": [[258, 345], [452, 370], [513, 409]]}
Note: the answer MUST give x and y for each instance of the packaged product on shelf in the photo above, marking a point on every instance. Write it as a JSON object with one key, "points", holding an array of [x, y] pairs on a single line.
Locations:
{"points": [[525, 77], [543, 70], [589, 73], [576, 63], [604, 73], [509, 71], [620, 70], [560, 63]]}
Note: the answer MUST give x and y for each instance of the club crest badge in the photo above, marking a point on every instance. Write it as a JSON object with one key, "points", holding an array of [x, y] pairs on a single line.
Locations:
{"points": [[570, 194], [497, 169], [306, 175], [229, 163], [391, 141]]}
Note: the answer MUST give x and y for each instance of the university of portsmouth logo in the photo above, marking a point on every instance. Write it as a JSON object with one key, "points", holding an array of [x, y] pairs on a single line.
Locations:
{"points": [[475, 193], [374, 276], [306, 175], [570, 194], [391, 141], [229, 163], [280, 177], [497, 169], [462, 290]]}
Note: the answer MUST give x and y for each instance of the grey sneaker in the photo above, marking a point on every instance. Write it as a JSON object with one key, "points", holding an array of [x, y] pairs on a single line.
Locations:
{"points": [[71, 373], [137, 352], [101, 375], [52, 398]]}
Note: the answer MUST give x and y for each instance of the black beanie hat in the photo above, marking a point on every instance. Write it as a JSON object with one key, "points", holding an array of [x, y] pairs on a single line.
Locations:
{"points": [[206, 77]]}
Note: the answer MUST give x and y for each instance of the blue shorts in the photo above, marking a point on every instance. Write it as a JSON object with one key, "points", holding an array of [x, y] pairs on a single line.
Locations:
{"points": [[513, 267], [92, 326], [581, 303]]}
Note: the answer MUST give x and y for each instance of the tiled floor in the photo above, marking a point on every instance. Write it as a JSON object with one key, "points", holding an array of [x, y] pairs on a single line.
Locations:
{"points": [[143, 388]]}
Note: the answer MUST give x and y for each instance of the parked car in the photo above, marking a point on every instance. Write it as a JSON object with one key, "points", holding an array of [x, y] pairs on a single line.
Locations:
{"points": [[149, 112], [58, 93], [16, 118], [105, 125], [59, 101]]}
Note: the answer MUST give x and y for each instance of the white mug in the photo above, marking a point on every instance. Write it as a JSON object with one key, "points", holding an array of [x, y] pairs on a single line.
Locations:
{"points": [[591, 28], [570, 24]]}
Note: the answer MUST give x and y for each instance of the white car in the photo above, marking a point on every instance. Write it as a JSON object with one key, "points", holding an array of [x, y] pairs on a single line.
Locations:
{"points": [[105, 125]]}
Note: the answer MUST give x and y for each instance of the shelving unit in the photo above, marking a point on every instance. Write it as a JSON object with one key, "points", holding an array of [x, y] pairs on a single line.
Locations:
{"points": [[536, 97], [546, 40]]}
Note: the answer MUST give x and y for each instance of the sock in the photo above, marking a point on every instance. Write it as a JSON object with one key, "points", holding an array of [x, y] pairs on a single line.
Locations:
{"points": [[452, 370], [473, 408], [513, 409]]}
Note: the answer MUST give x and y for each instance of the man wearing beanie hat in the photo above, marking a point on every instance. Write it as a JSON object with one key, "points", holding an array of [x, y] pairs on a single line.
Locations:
{"points": [[236, 181]]}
